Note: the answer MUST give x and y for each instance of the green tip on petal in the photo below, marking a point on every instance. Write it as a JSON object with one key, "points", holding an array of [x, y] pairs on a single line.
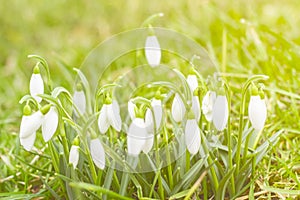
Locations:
{"points": [[36, 69], [108, 99], [45, 109], [27, 110], [191, 114], [76, 141], [158, 95], [254, 90], [79, 87]]}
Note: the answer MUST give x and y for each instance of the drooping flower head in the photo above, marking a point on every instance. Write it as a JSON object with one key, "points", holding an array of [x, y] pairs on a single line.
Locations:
{"points": [[207, 104], [192, 134], [152, 51], [47, 117], [109, 115], [36, 85], [97, 153], [257, 109], [220, 111], [178, 108], [74, 153], [79, 101]]}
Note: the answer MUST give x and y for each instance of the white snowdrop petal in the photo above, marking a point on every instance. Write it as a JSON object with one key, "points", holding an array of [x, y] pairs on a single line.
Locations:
{"points": [[80, 102], [136, 137], [113, 114], [220, 112], [30, 124], [152, 51], [257, 112], [50, 124], [130, 108], [178, 109], [97, 153], [196, 107], [36, 86], [192, 136], [158, 111], [192, 82], [103, 121], [74, 155], [149, 121], [148, 143], [207, 105], [28, 142]]}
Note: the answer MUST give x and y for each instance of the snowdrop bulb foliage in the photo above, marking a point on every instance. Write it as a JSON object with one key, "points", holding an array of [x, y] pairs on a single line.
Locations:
{"points": [[50, 124], [137, 136], [257, 112], [220, 112], [110, 116], [192, 136], [178, 108], [79, 101], [192, 82], [152, 51], [97, 153], [36, 84], [74, 155], [207, 105]]}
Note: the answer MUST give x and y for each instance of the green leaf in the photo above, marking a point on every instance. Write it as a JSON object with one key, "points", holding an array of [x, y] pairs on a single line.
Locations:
{"points": [[220, 194]]}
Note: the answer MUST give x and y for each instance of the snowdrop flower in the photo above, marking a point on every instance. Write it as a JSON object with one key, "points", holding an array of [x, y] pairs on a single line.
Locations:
{"points": [[97, 153], [109, 116], [79, 100], [30, 123], [74, 155], [50, 124], [192, 82], [137, 136], [257, 111], [131, 109], [220, 112], [207, 105], [157, 109], [152, 51], [178, 108], [47, 117], [36, 85], [192, 136]]}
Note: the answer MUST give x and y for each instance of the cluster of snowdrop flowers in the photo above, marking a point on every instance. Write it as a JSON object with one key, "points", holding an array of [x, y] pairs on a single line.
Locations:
{"points": [[46, 116]]}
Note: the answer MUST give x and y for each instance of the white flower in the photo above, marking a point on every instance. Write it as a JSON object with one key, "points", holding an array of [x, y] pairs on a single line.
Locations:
{"points": [[137, 136], [36, 86], [97, 153], [192, 136], [257, 112], [50, 124], [74, 155], [110, 116], [80, 102], [178, 108], [157, 109], [207, 105], [30, 124], [196, 107], [220, 112], [192, 82], [131, 111], [152, 51]]}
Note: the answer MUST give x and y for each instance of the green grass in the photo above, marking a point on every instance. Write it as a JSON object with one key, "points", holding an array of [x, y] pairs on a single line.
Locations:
{"points": [[243, 38]]}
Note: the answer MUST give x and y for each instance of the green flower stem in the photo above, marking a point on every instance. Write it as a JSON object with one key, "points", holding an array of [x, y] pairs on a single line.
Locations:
{"points": [[151, 19], [228, 134], [210, 162], [169, 163], [64, 140], [187, 160], [241, 120], [246, 146]]}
